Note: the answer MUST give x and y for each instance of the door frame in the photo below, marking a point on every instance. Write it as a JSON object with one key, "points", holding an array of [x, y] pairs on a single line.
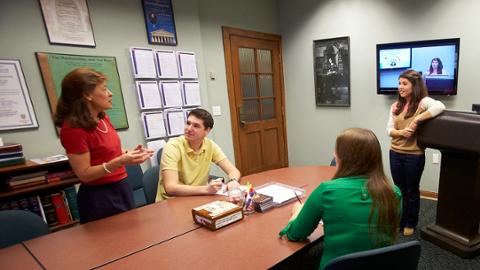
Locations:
{"points": [[228, 32]]}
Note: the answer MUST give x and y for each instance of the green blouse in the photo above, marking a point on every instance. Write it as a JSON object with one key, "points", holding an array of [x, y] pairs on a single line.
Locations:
{"points": [[344, 206]]}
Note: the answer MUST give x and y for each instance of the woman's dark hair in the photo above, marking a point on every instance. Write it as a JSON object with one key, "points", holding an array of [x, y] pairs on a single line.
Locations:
{"points": [[439, 67], [419, 91], [359, 154], [72, 105]]}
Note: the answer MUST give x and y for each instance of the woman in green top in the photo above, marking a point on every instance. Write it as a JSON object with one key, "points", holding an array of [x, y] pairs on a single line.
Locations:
{"points": [[360, 208]]}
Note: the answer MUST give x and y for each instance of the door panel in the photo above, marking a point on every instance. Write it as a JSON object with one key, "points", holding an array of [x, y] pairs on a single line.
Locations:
{"points": [[255, 80]]}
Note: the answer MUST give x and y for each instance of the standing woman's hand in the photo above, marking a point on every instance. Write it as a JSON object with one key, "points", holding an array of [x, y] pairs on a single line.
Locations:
{"points": [[136, 156]]}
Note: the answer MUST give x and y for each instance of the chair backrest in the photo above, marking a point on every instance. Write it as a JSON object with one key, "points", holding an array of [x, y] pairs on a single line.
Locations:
{"points": [[159, 155], [333, 163], [150, 183], [402, 256], [17, 226], [135, 175]]}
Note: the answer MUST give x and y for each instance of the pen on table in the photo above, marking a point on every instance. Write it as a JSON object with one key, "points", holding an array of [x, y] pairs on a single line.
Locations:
{"points": [[297, 197]]}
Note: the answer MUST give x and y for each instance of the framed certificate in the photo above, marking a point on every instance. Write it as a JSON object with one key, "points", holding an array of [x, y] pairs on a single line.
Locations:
{"points": [[154, 125], [17, 110], [68, 22], [167, 64], [171, 94]]}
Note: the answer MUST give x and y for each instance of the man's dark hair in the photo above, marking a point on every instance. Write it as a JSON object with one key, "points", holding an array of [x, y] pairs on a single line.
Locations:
{"points": [[204, 115]]}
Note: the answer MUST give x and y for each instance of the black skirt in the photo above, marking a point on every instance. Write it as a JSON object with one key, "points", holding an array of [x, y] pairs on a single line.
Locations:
{"points": [[99, 201]]}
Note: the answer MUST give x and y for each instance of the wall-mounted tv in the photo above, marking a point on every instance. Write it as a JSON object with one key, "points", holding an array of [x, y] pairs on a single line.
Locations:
{"points": [[436, 60]]}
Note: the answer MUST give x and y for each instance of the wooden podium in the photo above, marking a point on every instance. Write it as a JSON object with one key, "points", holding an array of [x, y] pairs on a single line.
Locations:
{"points": [[457, 136]]}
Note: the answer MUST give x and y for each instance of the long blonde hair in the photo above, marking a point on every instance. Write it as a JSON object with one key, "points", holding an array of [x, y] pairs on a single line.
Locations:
{"points": [[359, 154]]}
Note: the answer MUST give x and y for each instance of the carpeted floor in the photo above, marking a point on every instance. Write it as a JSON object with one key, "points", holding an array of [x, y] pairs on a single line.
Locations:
{"points": [[434, 257]]}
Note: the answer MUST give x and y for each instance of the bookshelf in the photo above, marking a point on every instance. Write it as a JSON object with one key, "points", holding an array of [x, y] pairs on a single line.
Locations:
{"points": [[31, 197]]}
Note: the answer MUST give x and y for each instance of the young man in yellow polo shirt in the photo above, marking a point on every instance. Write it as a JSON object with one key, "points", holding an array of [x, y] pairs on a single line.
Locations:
{"points": [[186, 160]]}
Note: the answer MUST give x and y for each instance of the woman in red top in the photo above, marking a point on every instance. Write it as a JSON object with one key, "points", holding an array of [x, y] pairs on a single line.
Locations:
{"points": [[93, 146]]}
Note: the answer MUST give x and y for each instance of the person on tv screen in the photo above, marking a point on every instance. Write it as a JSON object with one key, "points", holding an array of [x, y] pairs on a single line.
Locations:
{"points": [[407, 158], [436, 68], [360, 206]]}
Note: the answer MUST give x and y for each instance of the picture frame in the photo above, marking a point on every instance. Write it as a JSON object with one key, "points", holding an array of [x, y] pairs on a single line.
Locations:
{"points": [[17, 109], [68, 22], [160, 22], [331, 60], [54, 67]]}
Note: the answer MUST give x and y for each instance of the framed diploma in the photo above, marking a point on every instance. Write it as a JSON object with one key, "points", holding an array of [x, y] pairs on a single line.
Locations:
{"points": [[160, 22], [55, 66], [68, 22], [16, 107]]}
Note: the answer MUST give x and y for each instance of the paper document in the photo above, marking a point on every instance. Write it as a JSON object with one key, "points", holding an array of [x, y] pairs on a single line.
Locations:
{"points": [[154, 125], [191, 93], [167, 64], [176, 122], [155, 146], [224, 191], [188, 66], [280, 193], [148, 95], [143, 62], [172, 96]]}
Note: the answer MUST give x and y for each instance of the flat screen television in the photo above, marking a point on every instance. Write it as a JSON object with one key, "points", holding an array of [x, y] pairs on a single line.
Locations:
{"points": [[422, 56]]}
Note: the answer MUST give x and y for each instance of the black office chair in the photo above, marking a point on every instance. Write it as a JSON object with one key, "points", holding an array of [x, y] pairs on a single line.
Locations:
{"points": [[17, 226], [135, 175], [150, 183], [402, 256], [333, 163]]}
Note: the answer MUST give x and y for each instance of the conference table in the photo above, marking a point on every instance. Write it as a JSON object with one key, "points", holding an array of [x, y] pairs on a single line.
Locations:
{"points": [[163, 235]]}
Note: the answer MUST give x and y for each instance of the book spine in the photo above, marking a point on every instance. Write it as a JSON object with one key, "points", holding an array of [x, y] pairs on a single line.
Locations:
{"points": [[71, 196], [49, 210], [60, 208], [41, 208]]}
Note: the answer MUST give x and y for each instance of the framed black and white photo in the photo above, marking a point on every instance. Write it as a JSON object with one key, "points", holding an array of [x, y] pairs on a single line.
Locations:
{"points": [[331, 60]]}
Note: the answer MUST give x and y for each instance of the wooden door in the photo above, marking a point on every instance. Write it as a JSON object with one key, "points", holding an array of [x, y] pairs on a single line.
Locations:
{"points": [[256, 96]]}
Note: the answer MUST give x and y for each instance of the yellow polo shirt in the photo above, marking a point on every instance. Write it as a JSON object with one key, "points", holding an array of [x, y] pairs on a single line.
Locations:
{"points": [[193, 167]]}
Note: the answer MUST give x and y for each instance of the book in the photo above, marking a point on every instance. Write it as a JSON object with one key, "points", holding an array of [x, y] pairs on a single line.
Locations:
{"points": [[71, 196], [217, 214], [262, 202], [63, 215], [11, 148], [40, 178], [12, 161], [49, 210], [27, 175]]}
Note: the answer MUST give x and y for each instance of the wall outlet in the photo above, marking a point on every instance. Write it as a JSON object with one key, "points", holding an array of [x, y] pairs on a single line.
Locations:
{"points": [[436, 158]]}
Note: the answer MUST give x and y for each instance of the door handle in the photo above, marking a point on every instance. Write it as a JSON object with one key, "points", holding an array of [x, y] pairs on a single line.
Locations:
{"points": [[241, 120]]}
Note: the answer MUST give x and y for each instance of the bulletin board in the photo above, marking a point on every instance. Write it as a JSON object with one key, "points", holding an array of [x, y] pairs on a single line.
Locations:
{"points": [[55, 66]]}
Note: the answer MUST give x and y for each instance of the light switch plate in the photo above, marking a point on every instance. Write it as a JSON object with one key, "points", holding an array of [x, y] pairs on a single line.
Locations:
{"points": [[216, 110]]}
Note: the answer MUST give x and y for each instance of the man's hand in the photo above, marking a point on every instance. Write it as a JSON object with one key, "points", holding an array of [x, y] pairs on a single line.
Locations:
{"points": [[215, 185]]}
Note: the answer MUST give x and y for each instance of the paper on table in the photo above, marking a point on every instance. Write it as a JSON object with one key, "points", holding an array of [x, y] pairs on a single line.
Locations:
{"points": [[172, 96], [143, 63], [279, 193], [167, 64], [49, 159], [224, 191], [148, 95]]}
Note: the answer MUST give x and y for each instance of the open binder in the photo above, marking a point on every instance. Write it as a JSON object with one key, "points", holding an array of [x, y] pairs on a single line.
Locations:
{"points": [[281, 193]]}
